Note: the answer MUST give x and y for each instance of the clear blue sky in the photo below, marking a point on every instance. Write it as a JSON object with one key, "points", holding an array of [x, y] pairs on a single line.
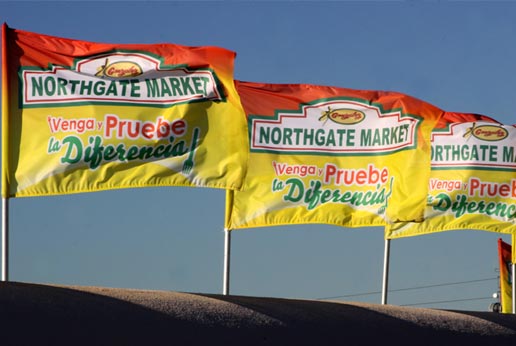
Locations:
{"points": [[458, 55]]}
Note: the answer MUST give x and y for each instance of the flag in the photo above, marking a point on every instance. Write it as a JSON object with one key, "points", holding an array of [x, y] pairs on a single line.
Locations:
{"points": [[332, 155], [513, 256], [81, 116], [504, 255], [472, 182]]}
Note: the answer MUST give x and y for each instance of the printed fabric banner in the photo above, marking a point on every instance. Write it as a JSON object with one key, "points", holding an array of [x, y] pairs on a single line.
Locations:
{"points": [[504, 255], [331, 155], [473, 179], [81, 116], [513, 240]]}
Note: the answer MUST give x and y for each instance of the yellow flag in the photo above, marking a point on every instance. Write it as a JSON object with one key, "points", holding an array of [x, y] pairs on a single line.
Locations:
{"points": [[472, 183], [504, 255], [513, 256], [81, 116], [332, 155]]}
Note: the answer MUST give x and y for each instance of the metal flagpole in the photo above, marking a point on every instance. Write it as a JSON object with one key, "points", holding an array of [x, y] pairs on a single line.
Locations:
{"points": [[5, 239], [385, 285], [5, 187], [227, 260]]}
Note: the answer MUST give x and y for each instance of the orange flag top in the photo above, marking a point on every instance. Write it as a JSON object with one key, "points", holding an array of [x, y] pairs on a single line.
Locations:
{"points": [[81, 116]]}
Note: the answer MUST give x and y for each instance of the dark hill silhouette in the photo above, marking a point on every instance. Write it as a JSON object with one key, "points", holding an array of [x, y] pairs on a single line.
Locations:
{"points": [[36, 314]]}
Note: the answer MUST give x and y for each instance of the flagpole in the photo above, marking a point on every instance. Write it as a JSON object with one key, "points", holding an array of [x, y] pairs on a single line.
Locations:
{"points": [[5, 152], [227, 260], [385, 284], [5, 239]]}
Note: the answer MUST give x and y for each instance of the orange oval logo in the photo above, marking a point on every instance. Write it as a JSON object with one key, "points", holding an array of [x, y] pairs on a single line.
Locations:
{"points": [[345, 116], [490, 133], [121, 69]]}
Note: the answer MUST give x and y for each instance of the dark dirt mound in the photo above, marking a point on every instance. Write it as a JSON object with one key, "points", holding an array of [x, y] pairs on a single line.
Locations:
{"points": [[35, 314]]}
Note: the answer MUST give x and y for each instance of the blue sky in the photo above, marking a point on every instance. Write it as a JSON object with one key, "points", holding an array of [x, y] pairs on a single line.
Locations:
{"points": [[458, 55]]}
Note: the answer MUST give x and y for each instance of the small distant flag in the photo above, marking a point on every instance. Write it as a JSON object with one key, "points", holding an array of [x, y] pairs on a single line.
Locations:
{"points": [[504, 253]]}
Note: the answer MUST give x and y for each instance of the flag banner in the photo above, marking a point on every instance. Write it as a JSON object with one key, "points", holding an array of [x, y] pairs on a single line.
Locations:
{"points": [[82, 116], [332, 155], [473, 180], [504, 255], [513, 240]]}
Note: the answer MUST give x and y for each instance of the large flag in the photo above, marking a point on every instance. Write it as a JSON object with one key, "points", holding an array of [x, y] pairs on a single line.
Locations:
{"points": [[504, 255], [81, 116], [473, 178], [332, 155]]}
